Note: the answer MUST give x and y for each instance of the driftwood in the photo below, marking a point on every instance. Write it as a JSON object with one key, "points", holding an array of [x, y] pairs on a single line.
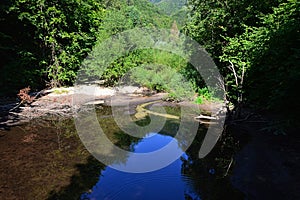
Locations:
{"points": [[206, 122], [142, 112], [205, 117], [25, 98]]}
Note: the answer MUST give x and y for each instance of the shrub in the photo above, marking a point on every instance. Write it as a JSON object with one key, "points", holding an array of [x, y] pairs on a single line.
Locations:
{"points": [[163, 78]]}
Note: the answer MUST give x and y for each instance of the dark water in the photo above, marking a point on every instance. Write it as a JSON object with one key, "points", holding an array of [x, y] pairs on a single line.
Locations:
{"points": [[45, 159]]}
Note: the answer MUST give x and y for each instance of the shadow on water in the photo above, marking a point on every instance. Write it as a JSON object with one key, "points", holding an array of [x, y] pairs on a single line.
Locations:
{"points": [[11, 112], [39, 157], [210, 174], [7, 119], [88, 174]]}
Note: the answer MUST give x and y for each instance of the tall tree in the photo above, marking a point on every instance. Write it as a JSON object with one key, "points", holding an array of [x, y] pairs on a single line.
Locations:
{"points": [[49, 38]]}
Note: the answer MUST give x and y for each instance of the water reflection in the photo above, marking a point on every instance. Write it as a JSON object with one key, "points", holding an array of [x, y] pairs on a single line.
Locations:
{"points": [[186, 178], [44, 159], [166, 183]]}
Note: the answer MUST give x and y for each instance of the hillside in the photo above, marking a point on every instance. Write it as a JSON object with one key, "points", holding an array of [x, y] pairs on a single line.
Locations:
{"points": [[170, 7]]}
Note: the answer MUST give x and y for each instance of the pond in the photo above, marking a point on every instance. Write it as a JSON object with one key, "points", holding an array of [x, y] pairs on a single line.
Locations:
{"points": [[45, 159]]}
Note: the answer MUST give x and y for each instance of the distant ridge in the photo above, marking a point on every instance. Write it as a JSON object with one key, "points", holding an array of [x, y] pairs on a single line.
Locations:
{"points": [[170, 7], [176, 9]]}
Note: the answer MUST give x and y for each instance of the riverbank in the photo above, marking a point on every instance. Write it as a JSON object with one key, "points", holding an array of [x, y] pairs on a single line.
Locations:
{"points": [[65, 102], [44, 159]]}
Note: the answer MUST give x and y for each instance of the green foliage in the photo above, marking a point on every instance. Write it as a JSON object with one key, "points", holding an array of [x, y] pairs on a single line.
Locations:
{"points": [[55, 37], [204, 94], [176, 9], [181, 17], [212, 21], [163, 78], [122, 65], [133, 14], [47, 40], [113, 57], [199, 100], [139, 13], [269, 54], [170, 7], [260, 38]]}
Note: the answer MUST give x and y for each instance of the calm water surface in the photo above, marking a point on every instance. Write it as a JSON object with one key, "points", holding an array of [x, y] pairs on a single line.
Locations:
{"points": [[166, 183], [45, 159], [186, 178]]}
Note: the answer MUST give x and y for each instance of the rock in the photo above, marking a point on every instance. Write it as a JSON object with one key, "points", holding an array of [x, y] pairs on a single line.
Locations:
{"points": [[127, 89], [93, 90]]}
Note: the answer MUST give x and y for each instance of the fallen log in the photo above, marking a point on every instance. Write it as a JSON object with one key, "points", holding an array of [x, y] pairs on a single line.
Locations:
{"points": [[205, 117]]}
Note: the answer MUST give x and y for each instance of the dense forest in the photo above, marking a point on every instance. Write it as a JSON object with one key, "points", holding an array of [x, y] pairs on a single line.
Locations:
{"points": [[255, 44]]}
